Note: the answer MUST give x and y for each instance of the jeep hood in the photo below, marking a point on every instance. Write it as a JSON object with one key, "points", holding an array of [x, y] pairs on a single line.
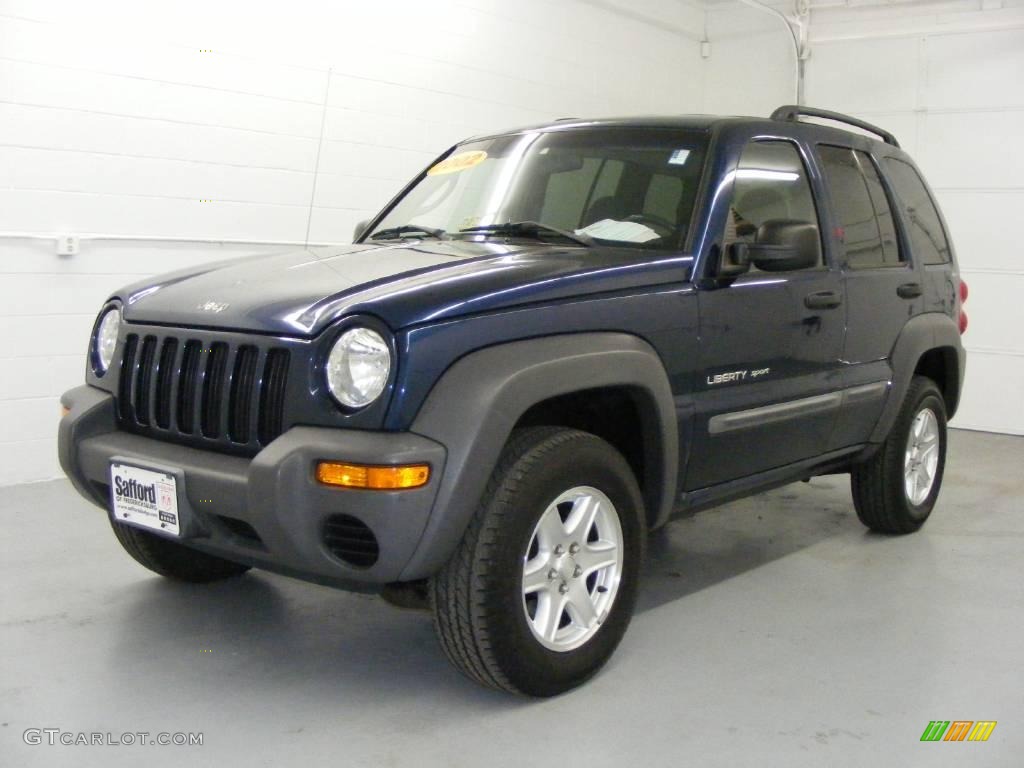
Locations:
{"points": [[301, 292]]}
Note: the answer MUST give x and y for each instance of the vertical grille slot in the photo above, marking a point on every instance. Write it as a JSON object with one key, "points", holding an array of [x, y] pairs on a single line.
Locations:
{"points": [[275, 377], [243, 385], [144, 379], [216, 393], [124, 382], [164, 381], [213, 389], [187, 386]]}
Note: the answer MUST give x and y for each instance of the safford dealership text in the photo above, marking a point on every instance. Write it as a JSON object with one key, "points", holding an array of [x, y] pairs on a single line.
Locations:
{"points": [[131, 489]]}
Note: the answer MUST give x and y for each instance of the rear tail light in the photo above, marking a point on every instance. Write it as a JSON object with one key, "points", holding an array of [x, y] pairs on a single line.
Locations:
{"points": [[962, 294]]}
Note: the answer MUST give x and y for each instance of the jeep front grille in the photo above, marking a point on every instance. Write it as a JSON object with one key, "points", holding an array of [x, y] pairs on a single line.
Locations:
{"points": [[217, 394]]}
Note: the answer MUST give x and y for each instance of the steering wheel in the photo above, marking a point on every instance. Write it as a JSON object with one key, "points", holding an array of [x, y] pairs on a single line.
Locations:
{"points": [[663, 227]]}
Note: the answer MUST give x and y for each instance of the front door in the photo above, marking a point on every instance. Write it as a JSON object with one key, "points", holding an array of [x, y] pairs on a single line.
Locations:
{"points": [[768, 388]]}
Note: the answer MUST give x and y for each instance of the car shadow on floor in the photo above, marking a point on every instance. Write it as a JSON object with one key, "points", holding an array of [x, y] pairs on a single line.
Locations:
{"points": [[258, 632], [708, 548], [255, 634]]}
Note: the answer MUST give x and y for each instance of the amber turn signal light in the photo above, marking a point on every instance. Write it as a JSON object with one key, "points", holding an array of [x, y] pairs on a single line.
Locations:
{"points": [[369, 477]]}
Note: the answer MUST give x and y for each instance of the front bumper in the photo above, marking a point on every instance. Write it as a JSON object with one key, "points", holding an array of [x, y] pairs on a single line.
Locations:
{"points": [[267, 511]]}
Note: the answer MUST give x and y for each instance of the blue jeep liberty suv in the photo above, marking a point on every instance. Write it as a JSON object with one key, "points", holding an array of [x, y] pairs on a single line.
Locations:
{"points": [[551, 342]]}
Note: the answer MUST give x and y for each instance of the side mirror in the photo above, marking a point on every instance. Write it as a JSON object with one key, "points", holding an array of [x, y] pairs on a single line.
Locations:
{"points": [[783, 245], [360, 230], [733, 261]]}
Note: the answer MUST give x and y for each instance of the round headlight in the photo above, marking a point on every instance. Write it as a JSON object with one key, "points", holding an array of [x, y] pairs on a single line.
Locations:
{"points": [[106, 339], [358, 366]]}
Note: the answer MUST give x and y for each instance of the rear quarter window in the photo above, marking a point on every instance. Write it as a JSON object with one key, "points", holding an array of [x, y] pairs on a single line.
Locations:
{"points": [[931, 246]]}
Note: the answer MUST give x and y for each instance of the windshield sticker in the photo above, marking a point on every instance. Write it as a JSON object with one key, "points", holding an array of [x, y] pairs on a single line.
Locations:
{"points": [[458, 162], [678, 157], [623, 231]]}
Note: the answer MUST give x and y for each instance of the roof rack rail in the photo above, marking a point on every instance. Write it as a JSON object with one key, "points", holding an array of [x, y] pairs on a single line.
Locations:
{"points": [[791, 112]]}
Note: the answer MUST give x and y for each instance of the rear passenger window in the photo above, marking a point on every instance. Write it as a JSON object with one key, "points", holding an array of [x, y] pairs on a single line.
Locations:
{"points": [[607, 180], [867, 230], [570, 193], [663, 197], [926, 233], [567, 194]]}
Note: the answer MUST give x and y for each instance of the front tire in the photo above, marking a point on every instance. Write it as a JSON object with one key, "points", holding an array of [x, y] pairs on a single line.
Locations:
{"points": [[895, 490], [543, 585], [173, 560]]}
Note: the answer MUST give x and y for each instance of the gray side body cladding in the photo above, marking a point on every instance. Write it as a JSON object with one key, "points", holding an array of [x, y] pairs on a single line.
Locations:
{"points": [[922, 334], [477, 402]]}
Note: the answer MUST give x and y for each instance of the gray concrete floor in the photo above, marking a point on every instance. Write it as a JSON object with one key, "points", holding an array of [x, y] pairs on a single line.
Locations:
{"points": [[773, 631]]}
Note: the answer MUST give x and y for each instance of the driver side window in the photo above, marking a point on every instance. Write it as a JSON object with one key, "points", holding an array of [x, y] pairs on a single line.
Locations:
{"points": [[771, 194]]}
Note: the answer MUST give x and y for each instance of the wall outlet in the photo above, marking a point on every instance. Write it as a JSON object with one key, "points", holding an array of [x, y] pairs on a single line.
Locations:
{"points": [[67, 245]]}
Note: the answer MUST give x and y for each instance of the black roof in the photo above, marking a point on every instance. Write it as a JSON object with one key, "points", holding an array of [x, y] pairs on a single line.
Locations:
{"points": [[691, 122], [785, 114]]}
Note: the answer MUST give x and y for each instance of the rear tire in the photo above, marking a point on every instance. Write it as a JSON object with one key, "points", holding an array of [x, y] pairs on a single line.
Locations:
{"points": [[174, 560], [542, 587], [895, 490]]}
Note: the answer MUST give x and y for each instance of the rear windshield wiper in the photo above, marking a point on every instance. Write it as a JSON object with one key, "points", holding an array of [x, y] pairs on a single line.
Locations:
{"points": [[408, 229], [532, 229]]}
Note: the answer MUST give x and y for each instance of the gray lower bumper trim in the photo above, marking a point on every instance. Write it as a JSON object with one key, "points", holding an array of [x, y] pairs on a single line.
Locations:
{"points": [[274, 493]]}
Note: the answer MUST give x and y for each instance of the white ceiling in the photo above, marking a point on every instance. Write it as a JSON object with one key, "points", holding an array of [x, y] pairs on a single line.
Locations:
{"points": [[788, 4]]}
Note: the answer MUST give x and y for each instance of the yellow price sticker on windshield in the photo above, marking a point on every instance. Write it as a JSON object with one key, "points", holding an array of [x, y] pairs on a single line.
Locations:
{"points": [[458, 162]]}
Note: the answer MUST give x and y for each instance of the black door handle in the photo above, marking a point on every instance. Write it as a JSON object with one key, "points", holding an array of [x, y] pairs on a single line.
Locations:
{"points": [[909, 291], [823, 300]]}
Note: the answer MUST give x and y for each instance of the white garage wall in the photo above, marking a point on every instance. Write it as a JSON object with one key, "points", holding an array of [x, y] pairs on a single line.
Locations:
{"points": [[206, 120], [203, 121], [751, 69], [946, 78]]}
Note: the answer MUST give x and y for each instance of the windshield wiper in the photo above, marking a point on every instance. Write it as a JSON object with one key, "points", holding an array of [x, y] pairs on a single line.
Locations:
{"points": [[532, 229], [408, 229]]}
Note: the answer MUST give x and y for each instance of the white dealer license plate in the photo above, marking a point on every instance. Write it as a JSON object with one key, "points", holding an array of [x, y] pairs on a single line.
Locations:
{"points": [[145, 498]]}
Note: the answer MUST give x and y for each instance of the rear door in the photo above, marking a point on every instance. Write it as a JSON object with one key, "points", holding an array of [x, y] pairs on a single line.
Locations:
{"points": [[925, 233], [770, 342], [882, 288]]}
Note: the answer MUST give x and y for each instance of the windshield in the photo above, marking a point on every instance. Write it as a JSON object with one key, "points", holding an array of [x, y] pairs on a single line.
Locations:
{"points": [[633, 187]]}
